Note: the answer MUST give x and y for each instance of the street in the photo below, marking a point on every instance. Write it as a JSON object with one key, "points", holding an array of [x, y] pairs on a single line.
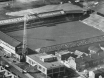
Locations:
{"points": [[13, 68]]}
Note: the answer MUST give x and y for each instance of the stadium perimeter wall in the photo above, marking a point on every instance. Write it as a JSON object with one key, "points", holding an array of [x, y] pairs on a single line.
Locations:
{"points": [[73, 44]]}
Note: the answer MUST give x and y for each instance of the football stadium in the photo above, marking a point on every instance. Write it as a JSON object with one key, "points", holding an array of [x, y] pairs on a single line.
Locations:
{"points": [[51, 38], [62, 29]]}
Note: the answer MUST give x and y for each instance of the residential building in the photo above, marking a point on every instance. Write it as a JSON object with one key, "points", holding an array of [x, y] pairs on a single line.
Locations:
{"points": [[94, 49], [89, 61], [63, 55]]}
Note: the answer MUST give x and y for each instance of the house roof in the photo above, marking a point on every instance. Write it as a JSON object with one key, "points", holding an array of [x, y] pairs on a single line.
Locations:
{"points": [[90, 57], [79, 60], [11, 41], [79, 53], [64, 52], [95, 56], [101, 54], [95, 48], [99, 7], [87, 58], [48, 65], [99, 71], [73, 55]]}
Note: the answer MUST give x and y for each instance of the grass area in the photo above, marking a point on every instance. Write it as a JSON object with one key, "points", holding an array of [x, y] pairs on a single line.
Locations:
{"points": [[61, 33]]}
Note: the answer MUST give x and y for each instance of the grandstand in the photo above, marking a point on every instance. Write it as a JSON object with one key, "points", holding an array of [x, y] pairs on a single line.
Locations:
{"points": [[13, 21], [48, 22], [9, 16], [95, 21]]}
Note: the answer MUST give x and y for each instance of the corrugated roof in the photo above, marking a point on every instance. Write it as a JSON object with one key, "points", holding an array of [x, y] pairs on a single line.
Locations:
{"points": [[11, 41], [6, 14], [65, 7]]}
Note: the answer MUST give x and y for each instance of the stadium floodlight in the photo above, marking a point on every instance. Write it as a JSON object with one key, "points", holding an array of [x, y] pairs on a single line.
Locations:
{"points": [[24, 47]]}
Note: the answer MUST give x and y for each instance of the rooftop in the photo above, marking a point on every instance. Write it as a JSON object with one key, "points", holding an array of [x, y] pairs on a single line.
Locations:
{"points": [[48, 65], [90, 57], [63, 52], [6, 38], [29, 51], [99, 71], [47, 56], [99, 7], [95, 48], [47, 8], [7, 13]]}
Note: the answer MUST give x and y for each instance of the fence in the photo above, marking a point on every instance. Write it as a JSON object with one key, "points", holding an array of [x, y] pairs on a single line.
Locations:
{"points": [[72, 44]]}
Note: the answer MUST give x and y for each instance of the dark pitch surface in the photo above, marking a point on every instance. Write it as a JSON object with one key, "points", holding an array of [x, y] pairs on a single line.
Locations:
{"points": [[62, 33]]}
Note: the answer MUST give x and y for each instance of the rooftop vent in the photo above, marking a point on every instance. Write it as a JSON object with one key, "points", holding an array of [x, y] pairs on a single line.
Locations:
{"points": [[78, 53], [48, 58]]}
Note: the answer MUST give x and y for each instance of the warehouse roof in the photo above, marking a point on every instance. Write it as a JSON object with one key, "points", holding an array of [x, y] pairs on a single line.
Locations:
{"points": [[11, 41]]}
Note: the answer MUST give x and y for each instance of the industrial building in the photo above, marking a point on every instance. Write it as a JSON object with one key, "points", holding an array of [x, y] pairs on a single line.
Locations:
{"points": [[11, 47], [8, 44], [47, 64]]}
